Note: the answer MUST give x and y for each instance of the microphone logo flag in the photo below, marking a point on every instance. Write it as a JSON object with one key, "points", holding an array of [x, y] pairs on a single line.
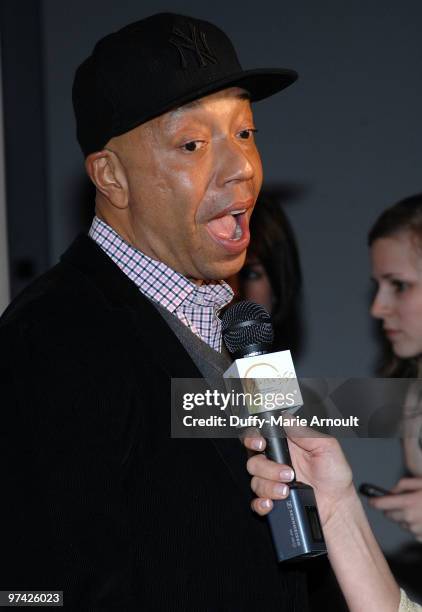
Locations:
{"points": [[269, 382]]}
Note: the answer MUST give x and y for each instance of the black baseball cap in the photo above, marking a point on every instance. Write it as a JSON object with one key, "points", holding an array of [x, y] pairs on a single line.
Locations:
{"points": [[153, 66]]}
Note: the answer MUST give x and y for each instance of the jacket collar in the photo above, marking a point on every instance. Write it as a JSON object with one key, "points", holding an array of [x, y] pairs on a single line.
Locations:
{"points": [[122, 295], [85, 257]]}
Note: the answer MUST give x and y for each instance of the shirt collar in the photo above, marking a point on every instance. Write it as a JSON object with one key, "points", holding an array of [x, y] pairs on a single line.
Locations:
{"points": [[154, 278]]}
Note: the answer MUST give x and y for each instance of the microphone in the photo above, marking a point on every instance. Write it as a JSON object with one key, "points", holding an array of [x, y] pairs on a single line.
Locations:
{"points": [[248, 334]]}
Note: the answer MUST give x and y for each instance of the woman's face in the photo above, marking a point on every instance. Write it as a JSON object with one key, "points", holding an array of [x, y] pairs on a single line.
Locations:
{"points": [[397, 270], [254, 284]]}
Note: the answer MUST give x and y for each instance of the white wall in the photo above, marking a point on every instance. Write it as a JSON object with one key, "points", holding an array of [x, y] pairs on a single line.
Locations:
{"points": [[4, 271]]}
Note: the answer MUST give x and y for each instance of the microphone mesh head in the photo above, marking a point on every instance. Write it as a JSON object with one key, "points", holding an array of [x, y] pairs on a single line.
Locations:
{"points": [[245, 325]]}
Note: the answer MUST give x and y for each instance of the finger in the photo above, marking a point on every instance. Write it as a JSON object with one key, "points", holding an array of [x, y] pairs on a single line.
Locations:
{"points": [[261, 506], [389, 502], [418, 481], [310, 439], [268, 488], [416, 529], [254, 441], [395, 515], [408, 484], [259, 465]]}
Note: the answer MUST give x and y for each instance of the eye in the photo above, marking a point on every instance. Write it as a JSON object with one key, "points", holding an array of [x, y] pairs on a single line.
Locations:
{"points": [[250, 273], [246, 134], [193, 145], [399, 286]]}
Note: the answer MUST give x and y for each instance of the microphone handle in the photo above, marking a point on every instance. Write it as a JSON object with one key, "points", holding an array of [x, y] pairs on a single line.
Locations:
{"points": [[294, 522], [277, 447]]}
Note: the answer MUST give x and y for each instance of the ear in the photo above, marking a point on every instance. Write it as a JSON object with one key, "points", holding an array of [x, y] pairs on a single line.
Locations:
{"points": [[108, 175]]}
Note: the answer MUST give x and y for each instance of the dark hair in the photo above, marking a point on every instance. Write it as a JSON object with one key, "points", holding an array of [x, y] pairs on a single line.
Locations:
{"points": [[274, 245], [405, 216]]}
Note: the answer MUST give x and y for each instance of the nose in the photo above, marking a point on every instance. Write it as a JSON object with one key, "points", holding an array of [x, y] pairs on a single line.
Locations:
{"points": [[381, 305], [237, 163]]}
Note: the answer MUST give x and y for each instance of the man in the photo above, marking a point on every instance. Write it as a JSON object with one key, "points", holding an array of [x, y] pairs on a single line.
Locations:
{"points": [[100, 501]]}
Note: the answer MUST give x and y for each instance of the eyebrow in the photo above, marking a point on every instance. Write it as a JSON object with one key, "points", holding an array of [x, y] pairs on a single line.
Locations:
{"points": [[388, 276]]}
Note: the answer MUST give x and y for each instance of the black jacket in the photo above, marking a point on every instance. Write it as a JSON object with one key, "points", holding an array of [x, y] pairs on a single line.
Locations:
{"points": [[97, 499]]}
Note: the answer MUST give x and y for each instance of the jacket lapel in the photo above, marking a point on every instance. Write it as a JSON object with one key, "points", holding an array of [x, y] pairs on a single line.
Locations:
{"points": [[123, 296], [156, 337]]}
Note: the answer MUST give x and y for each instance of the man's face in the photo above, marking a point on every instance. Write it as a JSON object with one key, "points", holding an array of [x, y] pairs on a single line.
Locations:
{"points": [[194, 175]]}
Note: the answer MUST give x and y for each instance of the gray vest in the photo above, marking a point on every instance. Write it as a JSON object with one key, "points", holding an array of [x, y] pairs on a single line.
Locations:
{"points": [[209, 362]]}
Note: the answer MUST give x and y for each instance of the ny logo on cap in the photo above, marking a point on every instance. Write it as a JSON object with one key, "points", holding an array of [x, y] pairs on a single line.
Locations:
{"points": [[197, 43]]}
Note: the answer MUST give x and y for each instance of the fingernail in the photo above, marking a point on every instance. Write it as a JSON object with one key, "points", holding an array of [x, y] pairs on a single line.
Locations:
{"points": [[287, 474], [257, 443], [265, 504], [281, 489]]}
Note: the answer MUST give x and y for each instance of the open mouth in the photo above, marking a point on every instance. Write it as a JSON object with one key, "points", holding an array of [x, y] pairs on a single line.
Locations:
{"points": [[228, 227]]}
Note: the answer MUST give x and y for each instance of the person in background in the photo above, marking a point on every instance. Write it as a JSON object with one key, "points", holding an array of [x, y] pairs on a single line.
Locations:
{"points": [[395, 243], [271, 275]]}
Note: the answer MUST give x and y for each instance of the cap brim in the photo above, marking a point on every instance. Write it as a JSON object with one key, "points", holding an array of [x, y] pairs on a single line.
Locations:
{"points": [[259, 83]]}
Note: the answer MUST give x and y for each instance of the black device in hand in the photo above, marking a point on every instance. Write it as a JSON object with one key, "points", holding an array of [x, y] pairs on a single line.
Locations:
{"points": [[294, 522], [371, 490]]}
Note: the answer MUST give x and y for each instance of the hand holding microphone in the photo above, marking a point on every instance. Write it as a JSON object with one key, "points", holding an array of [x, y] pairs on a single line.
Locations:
{"points": [[248, 335], [318, 461]]}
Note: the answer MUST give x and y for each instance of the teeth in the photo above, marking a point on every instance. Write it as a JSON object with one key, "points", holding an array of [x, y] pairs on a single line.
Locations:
{"points": [[237, 233]]}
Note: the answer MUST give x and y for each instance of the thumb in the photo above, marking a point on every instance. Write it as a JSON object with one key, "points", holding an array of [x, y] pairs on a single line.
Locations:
{"points": [[407, 484], [307, 438]]}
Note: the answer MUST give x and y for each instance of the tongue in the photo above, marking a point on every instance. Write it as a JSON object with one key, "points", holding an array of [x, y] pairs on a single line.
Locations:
{"points": [[223, 227]]}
